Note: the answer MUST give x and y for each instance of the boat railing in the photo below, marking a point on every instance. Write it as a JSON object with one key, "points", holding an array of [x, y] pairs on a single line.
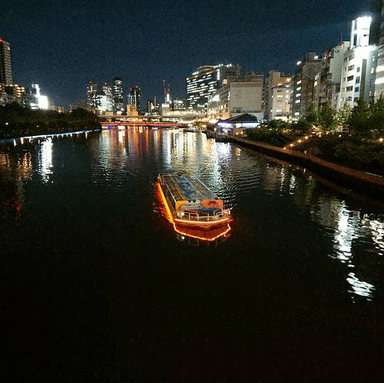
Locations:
{"points": [[195, 216]]}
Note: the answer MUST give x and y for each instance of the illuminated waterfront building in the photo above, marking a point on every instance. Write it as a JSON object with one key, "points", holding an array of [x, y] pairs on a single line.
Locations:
{"points": [[206, 81], [241, 95], [153, 108], [379, 81], [104, 100], [179, 105], [328, 80], [91, 95], [349, 70], [12, 93], [359, 66], [303, 83], [277, 96], [118, 95], [6, 71], [104, 103], [37, 100], [134, 97]]}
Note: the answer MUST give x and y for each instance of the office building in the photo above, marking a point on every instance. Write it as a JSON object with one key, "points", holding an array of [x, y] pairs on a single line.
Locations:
{"points": [[379, 81], [12, 93], [328, 80], [153, 107], [277, 96], [118, 95], [36, 99], [134, 97], [241, 95], [91, 95], [104, 99], [359, 67], [179, 105], [6, 71], [205, 81], [303, 82]]}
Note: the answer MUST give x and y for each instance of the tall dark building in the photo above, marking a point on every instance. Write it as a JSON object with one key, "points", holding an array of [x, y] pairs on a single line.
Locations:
{"points": [[6, 72], [303, 82], [134, 97], [91, 95], [118, 95]]}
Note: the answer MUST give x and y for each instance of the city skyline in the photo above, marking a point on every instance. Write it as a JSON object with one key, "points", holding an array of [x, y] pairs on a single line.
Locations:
{"points": [[62, 45]]}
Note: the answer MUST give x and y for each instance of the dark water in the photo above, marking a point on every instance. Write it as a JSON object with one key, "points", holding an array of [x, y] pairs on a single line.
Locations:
{"points": [[98, 288]]}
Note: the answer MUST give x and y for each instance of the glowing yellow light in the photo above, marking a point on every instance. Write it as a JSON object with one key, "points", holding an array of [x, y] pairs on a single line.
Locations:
{"points": [[165, 203], [222, 231], [201, 237]]}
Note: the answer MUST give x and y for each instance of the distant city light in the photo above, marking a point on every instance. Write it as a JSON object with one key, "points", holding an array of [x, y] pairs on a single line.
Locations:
{"points": [[43, 102]]}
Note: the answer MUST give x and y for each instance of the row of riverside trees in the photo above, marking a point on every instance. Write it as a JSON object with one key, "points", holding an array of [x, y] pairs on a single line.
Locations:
{"points": [[17, 121], [358, 143], [365, 119]]}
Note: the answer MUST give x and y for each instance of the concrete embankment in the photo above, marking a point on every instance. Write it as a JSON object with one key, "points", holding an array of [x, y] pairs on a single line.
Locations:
{"points": [[365, 183]]}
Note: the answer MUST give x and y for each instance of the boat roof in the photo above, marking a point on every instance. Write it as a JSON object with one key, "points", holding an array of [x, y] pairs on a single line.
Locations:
{"points": [[245, 117], [187, 188]]}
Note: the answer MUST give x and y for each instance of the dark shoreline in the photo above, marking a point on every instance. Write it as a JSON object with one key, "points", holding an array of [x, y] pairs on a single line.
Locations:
{"points": [[367, 184]]}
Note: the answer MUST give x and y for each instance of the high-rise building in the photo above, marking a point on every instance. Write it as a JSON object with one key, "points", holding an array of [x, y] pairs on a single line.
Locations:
{"points": [[359, 66], [277, 95], [91, 95], [12, 93], [118, 95], [239, 96], [36, 99], [206, 81], [153, 107], [6, 72], [303, 85], [328, 80], [104, 100], [134, 97], [379, 82]]}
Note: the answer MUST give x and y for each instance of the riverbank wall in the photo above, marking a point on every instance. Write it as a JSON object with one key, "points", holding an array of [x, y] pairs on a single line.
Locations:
{"points": [[368, 184]]}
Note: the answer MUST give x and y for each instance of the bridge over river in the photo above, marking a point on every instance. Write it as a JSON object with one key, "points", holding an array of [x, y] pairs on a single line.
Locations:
{"points": [[111, 125]]}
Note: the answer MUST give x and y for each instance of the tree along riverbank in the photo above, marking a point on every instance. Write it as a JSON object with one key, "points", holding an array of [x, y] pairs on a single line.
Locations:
{"points": [[352, 137], [18, 121], [350, 150]]}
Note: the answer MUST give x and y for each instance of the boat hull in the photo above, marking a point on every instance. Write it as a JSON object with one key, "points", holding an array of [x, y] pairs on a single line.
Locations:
{"points": [[187, 215]]}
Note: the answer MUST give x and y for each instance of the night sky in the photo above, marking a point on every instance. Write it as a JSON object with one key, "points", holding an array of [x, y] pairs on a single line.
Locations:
{"points": [[61, 44]]}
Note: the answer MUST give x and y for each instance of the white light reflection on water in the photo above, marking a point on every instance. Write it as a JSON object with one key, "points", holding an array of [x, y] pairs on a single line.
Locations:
{"points": [[376, 230], [292, 185], [223, 152], [45, 160], [343, 237], [361, 288], [166, 149], [349, 229]]}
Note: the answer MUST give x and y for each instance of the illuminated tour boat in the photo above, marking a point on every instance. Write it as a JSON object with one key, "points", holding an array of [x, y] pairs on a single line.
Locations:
{"points": [[193, 208]]}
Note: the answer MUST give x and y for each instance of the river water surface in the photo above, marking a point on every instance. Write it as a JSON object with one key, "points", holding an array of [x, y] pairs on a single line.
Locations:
{"points": [[99, 288]]}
